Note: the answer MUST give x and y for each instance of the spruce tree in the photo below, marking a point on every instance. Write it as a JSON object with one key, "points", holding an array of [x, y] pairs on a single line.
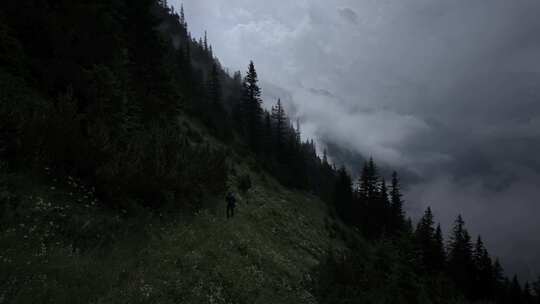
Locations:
{"points": [[343, 196], [369, 200], [298, 133], [205, 42], [483, 271], [425, 240], [498, 280], [373, 178], [460, 260], [383, 194], [369, 181], [279, 120], [214, 86], [364, 183], [397, 218], [183, 17], [216, 116], [383, 207], [251, 109], [439, 252], [325, 159], [268, 134]]}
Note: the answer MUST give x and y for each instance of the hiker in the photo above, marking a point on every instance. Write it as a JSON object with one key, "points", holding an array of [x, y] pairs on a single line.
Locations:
{"points": [[231, 203]]}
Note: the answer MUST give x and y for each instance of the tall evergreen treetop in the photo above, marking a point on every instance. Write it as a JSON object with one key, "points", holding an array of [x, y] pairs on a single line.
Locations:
{"points": [[280, 124], [440, 253], [460, 256], [205, 42], [397, 220], [369, 180], [325, 158], [183, 17], [250, 108], [253, 92], [429, 242]]}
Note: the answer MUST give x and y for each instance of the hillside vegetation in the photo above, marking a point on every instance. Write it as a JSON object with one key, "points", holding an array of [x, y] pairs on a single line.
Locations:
{"points": [[61, 246]]}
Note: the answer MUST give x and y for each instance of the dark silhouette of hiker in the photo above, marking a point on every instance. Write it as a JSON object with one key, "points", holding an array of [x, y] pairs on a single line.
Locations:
{"points": [[231, 203]]}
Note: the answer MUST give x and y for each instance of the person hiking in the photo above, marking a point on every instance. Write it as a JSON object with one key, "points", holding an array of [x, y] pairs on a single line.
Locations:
{"points": [[231, 203]]}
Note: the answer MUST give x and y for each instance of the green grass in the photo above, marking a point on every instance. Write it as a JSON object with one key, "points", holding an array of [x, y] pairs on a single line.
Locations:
{"points": [[60, 246]]}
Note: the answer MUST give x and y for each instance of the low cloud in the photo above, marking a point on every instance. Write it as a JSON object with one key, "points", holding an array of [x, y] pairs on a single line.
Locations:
{"points": [[349, 15]]}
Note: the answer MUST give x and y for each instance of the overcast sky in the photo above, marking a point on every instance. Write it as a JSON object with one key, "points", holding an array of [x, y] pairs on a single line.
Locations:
{"points": [[444, 90]]}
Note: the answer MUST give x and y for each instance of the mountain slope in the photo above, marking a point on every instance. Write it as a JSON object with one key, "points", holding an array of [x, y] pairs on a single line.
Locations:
{"points": [[265, 254]]}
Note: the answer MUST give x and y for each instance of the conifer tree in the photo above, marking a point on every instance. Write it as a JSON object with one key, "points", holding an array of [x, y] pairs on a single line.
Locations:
{"points": [[425, 239], [498, 280], [343, 196], [383, 193], [373, 178], [280, 124], [397, 218], [251, 109], [383, 207], [205, 43], [439, 252], [364, 183], [214, 86], [183, 17], [372, 211], [369, 181], [298, 132], [214, 112], [325, 158], [268, 135], [483, 270], [460, 260]]}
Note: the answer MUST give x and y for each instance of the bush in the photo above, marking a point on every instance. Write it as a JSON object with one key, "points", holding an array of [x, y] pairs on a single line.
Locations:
{"points": [[161, 167], [244, 183]]}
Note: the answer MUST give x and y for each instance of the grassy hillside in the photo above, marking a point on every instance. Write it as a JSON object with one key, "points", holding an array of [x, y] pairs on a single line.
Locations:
{"points": [[60, 246]]}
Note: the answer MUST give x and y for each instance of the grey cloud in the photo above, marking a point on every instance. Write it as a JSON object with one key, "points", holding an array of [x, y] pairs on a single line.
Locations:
{"points": [[349, 15], [323, 92]]}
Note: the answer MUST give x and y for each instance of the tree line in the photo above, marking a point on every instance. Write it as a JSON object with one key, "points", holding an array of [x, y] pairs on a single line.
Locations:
{"points": [[377, 211]]}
